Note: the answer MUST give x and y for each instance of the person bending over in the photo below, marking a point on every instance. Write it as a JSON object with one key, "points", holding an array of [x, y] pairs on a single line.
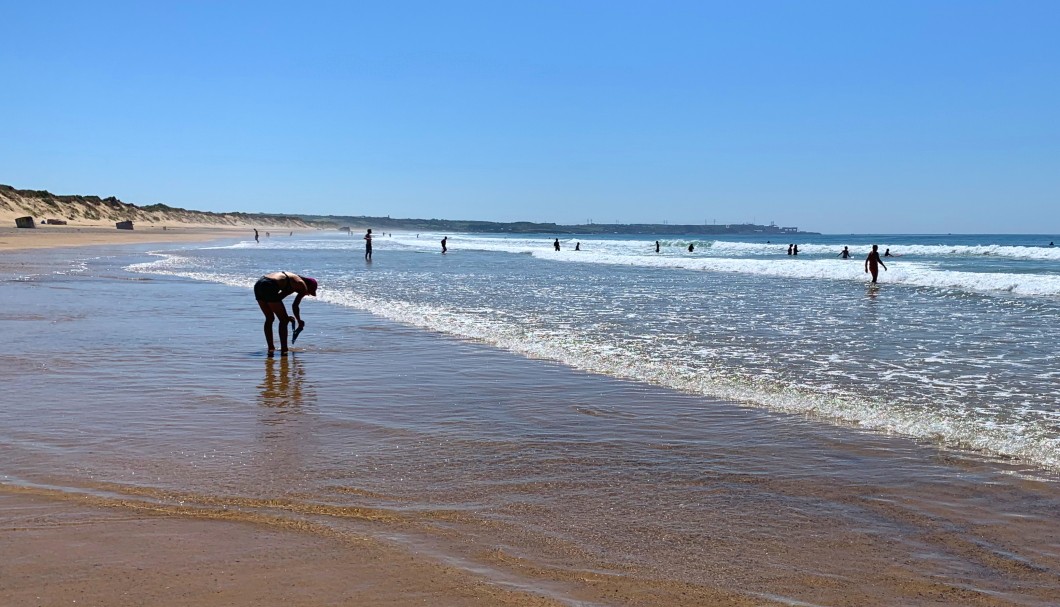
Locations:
{"points": [[270, 291]]}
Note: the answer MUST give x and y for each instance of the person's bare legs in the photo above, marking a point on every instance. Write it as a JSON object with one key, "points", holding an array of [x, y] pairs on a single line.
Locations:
{"points": [[273, 310], [277, 308], [269, 317]]}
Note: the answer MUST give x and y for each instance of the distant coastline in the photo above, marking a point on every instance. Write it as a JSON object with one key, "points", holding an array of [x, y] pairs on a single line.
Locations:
{"points": [[529, 227], [93, 210]]}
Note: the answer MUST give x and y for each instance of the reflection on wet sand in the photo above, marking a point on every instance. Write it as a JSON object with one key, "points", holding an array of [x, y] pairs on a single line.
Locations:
{"points": [[283, 384]]}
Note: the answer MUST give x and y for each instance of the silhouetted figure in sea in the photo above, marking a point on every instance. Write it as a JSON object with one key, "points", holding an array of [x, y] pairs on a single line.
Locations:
{"points": [[444, 249], [795, 249], [886, 252], [577, 246], [845, 254], [256, 235], [657, 246], [556, 244], [368, 245], [872, 263], [789, 248], [691, 247]]}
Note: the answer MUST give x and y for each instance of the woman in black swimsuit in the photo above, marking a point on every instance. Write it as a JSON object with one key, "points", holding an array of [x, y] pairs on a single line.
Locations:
{"points": [[270, 291]]}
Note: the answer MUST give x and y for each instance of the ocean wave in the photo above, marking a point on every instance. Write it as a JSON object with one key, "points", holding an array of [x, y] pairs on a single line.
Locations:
{"points": [[1041, 253], [908, 271], [1017, 438]]}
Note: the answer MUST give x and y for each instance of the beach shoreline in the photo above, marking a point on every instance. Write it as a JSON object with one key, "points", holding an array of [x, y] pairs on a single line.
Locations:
{"points": [[60, 236], [253, 479]]}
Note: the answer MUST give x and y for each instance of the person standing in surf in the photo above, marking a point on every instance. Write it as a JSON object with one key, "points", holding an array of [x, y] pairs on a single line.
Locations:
{"points": [[845, 254], [444, 248], [872, 263], [270, 290], [656, 246], [556, 244], [368, 245]]}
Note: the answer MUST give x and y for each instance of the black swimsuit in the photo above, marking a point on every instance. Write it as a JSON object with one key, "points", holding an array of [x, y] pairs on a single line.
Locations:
{"points": [[268, 289]]}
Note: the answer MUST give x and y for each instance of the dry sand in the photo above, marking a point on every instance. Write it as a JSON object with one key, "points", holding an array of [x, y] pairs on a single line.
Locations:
{"points": [[49, 236]]}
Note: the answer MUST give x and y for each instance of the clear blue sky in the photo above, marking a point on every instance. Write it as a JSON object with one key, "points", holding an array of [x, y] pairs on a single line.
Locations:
{"points": [[846, 116]]}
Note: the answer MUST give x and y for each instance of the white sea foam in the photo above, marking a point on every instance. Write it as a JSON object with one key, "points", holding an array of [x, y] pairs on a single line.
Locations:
{"points": [[908, 250], [908, 271], [580, 350]]}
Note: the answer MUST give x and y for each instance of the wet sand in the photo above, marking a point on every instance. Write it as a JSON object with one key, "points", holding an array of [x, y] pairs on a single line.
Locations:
{"points": [[62, 552], [154, 450]]}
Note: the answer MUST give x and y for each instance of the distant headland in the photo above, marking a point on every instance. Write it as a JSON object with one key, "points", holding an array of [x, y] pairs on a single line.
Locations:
{"points": [[89, 210]]}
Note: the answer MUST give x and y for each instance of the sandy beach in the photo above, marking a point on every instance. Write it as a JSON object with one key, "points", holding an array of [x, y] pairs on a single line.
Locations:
{"points": [[153, 455], [49, 236]]}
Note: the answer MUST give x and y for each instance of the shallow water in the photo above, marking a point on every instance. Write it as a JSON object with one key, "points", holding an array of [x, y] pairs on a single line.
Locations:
{"points": [[959, 344], [152, 387]]}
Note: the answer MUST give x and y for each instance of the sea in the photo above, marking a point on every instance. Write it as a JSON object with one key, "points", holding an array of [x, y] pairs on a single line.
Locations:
{"points": [[957, 343], [562, 422]]}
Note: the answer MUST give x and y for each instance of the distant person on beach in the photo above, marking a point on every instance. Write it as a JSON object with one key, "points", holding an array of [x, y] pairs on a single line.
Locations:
{"points": [[267, 235], [691, 247], [656, 246], [256, 235], [577, 246], [444, 248], [789, 248], [368, 245], [845, 254], [556, 244], [795, 249], [291, 234], [270, 291], [872, 262]]}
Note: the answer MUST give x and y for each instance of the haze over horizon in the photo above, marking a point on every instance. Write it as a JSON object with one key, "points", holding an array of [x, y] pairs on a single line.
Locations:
{"points": [[937, 117]]}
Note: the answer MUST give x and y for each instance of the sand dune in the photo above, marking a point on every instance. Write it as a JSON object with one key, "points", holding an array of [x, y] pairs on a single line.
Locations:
{"points": [[90, 220], [95, 211]]}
